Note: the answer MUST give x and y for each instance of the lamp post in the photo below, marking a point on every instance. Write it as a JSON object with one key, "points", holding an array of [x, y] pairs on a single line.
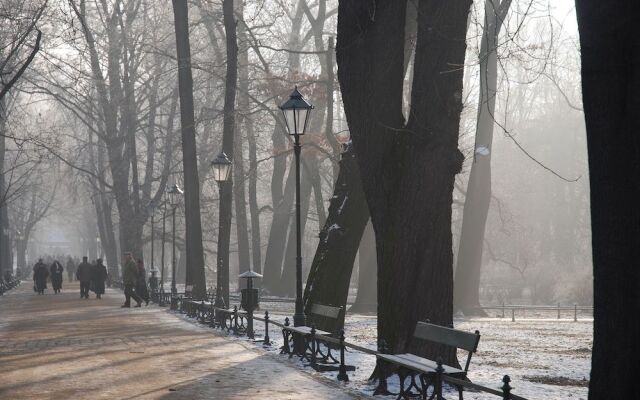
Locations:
{"points": [[221, 166], [175, 194], [152, 210], [296, 112], [164, 219]]}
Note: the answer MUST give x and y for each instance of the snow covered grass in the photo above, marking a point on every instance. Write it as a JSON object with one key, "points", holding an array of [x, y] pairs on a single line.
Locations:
{"points": [[546, 358]]}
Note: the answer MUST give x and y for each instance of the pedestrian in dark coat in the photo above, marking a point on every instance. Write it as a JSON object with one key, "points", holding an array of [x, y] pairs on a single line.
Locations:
{"points": [[83, 274], [98, 277], [56, 270], [71, 269], [130, 278], [40, 275], [141, 283]]}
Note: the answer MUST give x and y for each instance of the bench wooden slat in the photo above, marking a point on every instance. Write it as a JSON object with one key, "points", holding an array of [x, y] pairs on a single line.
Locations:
{"points": [[306, 330], [440, 334], [326, 311], [422, 365], [432, 364]]}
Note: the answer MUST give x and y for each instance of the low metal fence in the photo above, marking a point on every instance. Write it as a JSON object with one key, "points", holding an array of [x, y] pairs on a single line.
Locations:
{"points": [[558, 310], [8, 284], [240, 323]]}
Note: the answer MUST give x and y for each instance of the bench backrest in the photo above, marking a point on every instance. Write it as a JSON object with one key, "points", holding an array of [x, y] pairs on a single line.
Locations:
{"points": [[326, 318], [326, 311], [450, 337]]}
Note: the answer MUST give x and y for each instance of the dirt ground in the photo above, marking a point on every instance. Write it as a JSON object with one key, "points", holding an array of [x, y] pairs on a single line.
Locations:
{"points": [[64, 347]]}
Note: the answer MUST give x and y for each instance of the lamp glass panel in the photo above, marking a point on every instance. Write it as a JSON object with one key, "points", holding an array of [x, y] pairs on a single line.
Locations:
{"points": [[289, 115], [302, 119]]}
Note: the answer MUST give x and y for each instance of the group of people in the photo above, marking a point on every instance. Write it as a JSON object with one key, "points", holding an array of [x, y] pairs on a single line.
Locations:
{"points": [[134, 278], [92, 276]]}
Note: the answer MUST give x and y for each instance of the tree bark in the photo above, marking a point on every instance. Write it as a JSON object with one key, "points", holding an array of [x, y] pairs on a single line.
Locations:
{"points": [[330, 274], [410, 168], [193, 236], [278, 231], [610, 53], [239, 191], [478, 198], [226, 194]]}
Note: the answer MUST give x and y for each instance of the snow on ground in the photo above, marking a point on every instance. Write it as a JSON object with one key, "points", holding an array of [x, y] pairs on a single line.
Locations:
{"points": [[546, 358]]}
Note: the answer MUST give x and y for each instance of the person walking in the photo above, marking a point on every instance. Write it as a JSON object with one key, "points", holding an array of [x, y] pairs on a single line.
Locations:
{"points": [[56, 270], [98, 277], [83, 274], [71, 269], [40, 275], [141, 283], [130, 278]]}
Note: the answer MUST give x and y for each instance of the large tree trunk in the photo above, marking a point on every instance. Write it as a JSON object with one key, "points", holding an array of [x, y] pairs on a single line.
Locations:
{"points": [[278, 231], [239, 190], [410, 169], [610, 52], [224, 232], [4, 223], [6, 265], [367, 296], [478, 198], [330, 274], [193, 236]]}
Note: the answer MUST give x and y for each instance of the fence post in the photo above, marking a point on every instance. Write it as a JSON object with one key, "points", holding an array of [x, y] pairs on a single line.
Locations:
{"points": [[513, 315], [250, 334], [342, 371], [235, 320], [285, 335], [266, 341], [558, 310], [438, 383], [575, 313], [506, 388], [314, 363]]}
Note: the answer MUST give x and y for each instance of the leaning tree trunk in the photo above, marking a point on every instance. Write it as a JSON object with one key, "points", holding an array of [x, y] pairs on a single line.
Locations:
{"points": [[478, 198], [193, 237], [287, 285], [610, 52], [330, 274], [408, 170], [367, 296]]}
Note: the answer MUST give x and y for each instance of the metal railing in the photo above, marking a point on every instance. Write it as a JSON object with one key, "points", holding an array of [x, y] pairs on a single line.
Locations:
{"points": [[558, 310], [241, 323], [8, 284]]}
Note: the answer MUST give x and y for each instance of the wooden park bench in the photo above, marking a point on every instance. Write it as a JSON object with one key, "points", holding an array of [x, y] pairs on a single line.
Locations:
{"points": [[311, 348], [413, 366]]}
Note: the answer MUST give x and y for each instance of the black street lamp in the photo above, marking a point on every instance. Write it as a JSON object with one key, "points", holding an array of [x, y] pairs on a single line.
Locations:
{"points": [[296, 113], [221, 166], [152, 211], [164, 231], [175, 195]]}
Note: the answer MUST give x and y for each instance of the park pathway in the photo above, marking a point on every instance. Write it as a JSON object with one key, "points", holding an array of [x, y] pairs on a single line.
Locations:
{"points": [[63, 347]]}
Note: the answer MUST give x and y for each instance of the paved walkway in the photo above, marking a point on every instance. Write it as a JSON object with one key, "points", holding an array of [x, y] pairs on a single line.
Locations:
{"points": [[63, 347]]}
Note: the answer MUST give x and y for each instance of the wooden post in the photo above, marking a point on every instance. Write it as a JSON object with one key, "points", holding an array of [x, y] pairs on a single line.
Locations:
{"points": [[575, 313], [558, 310], [513, 315]]}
